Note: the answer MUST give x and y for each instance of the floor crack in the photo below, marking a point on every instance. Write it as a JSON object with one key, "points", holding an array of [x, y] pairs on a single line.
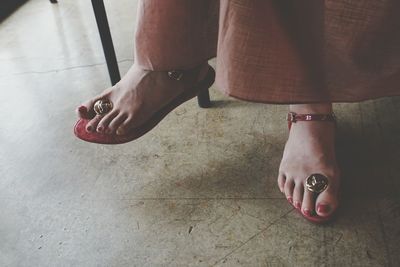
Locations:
{"points": [[63, 69]]}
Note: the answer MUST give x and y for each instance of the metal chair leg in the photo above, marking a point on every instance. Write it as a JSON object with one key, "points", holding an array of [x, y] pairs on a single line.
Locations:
{"points": [[106, 40]]}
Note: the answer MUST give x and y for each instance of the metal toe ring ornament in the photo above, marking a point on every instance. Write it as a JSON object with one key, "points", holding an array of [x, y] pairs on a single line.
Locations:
{"points": [[316, 183], [102, 106]]}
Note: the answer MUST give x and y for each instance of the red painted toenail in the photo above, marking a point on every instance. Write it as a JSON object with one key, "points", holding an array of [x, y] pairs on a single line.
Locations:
{"points": [[323, 208], [290, 200], [307, 213], [90, 128], [82, 109], [297, 205], [100, 129]]}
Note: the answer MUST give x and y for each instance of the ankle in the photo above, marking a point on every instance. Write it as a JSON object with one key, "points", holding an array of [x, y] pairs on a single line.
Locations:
{"points": [[196, 73], [318, 108]]}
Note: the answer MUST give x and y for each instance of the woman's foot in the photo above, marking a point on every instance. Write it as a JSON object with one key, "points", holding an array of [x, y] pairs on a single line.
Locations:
{"points": [[310, 149], [138, 95]]}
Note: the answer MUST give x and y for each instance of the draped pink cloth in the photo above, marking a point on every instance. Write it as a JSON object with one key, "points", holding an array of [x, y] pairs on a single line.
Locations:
{"points": [[278, 51]]}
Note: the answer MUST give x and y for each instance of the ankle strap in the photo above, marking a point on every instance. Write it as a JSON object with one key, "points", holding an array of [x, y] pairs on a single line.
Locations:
{"points": [[293, 117], [180, 74]]}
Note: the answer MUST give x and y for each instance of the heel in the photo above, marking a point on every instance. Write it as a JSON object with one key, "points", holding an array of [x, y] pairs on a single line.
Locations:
{"points": [[203, 98]]}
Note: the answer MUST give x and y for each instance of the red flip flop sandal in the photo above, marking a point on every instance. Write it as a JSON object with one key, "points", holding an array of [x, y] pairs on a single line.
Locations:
{"points": [[316, 182], [189, 93]]}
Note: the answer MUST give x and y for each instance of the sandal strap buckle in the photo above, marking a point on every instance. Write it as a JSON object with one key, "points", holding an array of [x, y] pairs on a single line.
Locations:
{"points": [[291, 116], [175, 74]]}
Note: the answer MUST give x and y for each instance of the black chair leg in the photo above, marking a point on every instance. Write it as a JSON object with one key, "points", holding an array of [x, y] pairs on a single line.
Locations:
{"points": [[106, 40], [53, 1], [203, 98]]}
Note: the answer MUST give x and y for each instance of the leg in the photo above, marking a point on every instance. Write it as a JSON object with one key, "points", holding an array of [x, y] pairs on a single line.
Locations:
{"points": [[165, 40], [309, 149], [188, 35]]}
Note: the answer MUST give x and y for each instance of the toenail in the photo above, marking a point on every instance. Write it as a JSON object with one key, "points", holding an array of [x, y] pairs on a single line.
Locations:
{"points": [[323, 208], [100, 129], [90, 128], [307, 212], [290, 200], [297, 205], [82, 109], [120, 131]]}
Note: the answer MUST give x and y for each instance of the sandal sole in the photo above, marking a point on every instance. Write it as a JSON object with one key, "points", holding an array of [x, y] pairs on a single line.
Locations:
{"points": [[135, 133]]}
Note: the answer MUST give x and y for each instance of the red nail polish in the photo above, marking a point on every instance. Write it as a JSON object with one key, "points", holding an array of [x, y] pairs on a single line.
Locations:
{"points": [[297, 205], [307, 213], [90, 128], [323, 208], [100, 129], [82, 109], [290, 200]]}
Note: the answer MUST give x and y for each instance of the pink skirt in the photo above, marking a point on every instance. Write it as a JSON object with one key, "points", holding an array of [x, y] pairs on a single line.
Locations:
{"points": [[278, 51]]}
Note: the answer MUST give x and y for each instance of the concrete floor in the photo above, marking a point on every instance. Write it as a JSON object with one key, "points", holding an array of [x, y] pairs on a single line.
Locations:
{"points": [[198, 190]]}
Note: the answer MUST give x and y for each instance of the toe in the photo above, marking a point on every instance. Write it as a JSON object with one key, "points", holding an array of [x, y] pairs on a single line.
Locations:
{"points": [[281, 181], [289, 185], [92, 124], [115, 123], [298, 195], [307, 206], [82, 112], [85, 110], [326, 203], [125, 126], [105, 121]]}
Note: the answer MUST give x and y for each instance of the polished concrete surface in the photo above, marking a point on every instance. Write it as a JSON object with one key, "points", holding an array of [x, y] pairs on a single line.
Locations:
{"points": [[198, 190]]}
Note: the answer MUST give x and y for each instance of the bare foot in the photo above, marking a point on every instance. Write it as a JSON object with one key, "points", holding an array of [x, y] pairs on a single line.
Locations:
{"points": [[310, 149], [135, 98]]}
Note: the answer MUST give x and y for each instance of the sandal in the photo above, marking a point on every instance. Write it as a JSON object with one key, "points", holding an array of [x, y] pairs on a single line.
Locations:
{"points": [[103, 106], [316, 182]]}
